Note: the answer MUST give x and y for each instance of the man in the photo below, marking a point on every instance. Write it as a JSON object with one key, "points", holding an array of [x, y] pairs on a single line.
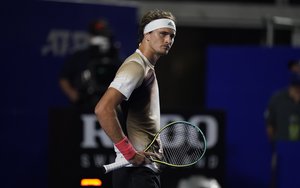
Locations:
{"points": [[294, 66], [135, 89], [283, 112], [87, 73], [283, 117]]}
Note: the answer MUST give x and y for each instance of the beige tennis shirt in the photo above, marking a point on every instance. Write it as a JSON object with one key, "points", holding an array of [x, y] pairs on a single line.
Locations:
{"points": [[136, 80]]}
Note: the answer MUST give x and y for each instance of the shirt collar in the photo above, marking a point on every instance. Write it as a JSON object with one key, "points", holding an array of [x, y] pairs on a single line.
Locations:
{"points": [[145, 58]]}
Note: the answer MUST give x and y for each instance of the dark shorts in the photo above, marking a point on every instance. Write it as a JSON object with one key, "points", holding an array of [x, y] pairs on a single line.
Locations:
{"points": [[135, 177]]}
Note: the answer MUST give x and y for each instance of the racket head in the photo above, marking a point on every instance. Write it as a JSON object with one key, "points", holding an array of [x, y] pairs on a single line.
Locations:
{"points": [[183, 144]]}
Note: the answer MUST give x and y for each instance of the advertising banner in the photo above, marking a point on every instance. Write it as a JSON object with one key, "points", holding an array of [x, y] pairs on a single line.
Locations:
{"points": [[79, 147]]}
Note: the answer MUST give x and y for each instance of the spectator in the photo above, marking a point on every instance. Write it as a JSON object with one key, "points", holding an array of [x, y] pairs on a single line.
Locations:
{"points": [[283, 116], [87, 73]]}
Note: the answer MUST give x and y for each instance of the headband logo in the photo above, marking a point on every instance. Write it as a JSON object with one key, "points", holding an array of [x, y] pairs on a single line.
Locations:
{"points": [[171, 24]]}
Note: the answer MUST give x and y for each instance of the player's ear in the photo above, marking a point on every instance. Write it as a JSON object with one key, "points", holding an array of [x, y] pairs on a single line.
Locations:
{"points": [[147, 36]]}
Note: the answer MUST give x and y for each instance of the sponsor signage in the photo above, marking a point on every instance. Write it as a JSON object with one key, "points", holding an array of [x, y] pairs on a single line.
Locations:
{"points": [[79, 147]]}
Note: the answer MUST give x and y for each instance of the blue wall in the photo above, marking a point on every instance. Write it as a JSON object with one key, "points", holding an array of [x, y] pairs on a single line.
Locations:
{"points": [[240, 81], [29, 78]]}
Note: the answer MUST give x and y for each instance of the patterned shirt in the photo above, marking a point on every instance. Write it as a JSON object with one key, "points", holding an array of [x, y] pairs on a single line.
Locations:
{"points": [[136, 80]]}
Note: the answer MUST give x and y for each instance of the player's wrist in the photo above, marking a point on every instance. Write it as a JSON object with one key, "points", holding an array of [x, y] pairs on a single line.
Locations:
{"points": [[126, 148]]}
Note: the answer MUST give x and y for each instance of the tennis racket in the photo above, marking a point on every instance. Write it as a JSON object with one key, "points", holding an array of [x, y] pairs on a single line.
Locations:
{"points": [[183, 145]]}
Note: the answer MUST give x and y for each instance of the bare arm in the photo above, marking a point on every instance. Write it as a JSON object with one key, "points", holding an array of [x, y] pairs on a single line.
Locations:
{"points": [[107, 116], [270, 132], [71, 93]]}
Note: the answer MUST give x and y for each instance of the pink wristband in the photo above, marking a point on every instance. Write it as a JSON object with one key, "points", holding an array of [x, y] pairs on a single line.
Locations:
{"points": [[125, 147]]}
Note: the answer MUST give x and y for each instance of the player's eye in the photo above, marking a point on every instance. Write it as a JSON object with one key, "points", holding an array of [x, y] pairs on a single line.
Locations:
{"points": [[163, 34]]}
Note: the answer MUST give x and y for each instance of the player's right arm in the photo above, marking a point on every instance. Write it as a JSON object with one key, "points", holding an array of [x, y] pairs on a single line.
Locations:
{"points": [[106, 112], [107, 115]]}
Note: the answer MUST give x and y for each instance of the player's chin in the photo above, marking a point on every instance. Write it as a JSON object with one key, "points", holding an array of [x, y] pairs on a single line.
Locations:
{"points": [[164, 52]]}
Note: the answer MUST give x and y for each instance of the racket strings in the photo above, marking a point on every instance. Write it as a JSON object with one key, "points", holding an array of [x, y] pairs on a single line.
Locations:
{"points": [[182, 144]]}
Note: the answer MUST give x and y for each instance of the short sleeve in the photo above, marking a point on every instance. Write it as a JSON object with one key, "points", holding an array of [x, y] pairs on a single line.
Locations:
{"points": [[129, 76]]}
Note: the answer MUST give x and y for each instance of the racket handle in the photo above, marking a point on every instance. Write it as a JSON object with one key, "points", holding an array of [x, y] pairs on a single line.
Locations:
{"points": [[114, 166]]}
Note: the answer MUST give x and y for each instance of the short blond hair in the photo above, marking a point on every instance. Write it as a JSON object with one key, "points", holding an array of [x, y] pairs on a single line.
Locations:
{"points": [[153, 15]]}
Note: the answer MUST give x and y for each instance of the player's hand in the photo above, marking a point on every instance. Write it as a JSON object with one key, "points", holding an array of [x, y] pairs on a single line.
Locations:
{"points": [[142, 157]]}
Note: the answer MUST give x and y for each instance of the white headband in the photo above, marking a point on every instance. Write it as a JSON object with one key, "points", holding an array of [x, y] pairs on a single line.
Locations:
{"points": [[159, 23]]}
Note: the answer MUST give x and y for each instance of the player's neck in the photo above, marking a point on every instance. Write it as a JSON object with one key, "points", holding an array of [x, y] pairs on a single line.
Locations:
{"points": [[149, 53]]}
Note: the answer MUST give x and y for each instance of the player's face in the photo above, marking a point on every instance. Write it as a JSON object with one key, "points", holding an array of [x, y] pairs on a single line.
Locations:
{"points": [[162, 40]]}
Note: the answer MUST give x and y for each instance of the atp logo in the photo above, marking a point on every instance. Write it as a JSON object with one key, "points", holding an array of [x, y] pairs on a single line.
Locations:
{"points": [[60, 42]]}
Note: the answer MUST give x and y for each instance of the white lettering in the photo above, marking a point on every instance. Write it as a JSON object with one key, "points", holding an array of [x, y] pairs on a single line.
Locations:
{"points": [[211, 128], [167, 118], [95, 160], [213, 162], [201, 163], [57, 43], [93, 136], [173, 137], [99, 160], [84, 161], [79, 41], [60, 42], [90, 133]]}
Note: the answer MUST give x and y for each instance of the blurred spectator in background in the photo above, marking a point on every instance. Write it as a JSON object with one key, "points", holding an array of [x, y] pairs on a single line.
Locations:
{"points": [[283, 110], [294, 66], [87, 73], [283, 115]]}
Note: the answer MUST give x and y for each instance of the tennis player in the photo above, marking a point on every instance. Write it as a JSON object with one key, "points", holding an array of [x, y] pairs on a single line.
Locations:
{"points": [[135, 89]]}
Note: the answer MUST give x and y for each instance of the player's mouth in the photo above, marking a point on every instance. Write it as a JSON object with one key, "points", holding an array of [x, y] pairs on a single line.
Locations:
{"points": [[167, 47]]}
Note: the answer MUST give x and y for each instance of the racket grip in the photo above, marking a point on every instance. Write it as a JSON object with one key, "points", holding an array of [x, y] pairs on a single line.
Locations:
{"points": [[113, 166]]}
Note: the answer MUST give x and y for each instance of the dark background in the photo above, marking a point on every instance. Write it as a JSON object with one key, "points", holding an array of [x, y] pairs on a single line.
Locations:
{"points": [[207, 69]]}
